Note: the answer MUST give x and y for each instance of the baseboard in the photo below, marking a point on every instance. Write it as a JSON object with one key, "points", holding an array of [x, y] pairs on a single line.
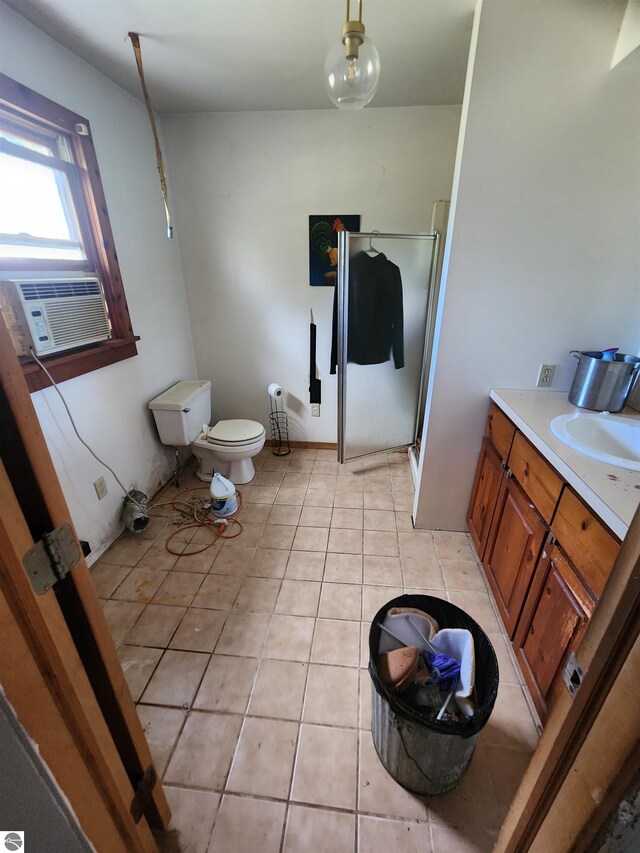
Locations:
{"points": [[318, 445]]}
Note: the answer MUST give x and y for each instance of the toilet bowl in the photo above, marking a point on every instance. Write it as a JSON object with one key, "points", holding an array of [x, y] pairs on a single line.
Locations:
{"points": [[228, 448]]}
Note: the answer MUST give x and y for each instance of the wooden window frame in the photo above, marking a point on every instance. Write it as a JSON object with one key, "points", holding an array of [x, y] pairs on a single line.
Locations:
{"points": [[23, 103]]}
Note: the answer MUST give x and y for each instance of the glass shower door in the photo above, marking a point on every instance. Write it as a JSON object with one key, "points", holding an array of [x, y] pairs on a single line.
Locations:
{"points": [[385, 286]]}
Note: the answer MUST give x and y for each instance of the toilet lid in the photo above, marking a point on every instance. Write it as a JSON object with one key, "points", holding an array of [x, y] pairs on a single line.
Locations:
{"points": [[236, 431]]}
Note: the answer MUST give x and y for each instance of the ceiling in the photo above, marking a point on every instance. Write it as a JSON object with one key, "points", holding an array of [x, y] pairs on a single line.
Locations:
{"points": [[214, 55]]}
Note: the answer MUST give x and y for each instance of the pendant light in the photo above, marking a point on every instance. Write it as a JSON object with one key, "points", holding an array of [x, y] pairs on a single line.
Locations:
{"points": [[352, 67]]}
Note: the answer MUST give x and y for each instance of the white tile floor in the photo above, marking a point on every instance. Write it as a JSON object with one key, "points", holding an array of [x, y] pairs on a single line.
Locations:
{"points": [[248, 663]]}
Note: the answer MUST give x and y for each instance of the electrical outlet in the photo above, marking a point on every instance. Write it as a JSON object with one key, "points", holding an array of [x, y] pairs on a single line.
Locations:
{"points": [[100, 486], [545, 376], [315, 410]]}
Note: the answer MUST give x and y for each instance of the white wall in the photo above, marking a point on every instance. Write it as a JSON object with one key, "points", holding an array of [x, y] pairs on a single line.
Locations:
{"points": [[542, 255], [244, 185], [109, 405]]}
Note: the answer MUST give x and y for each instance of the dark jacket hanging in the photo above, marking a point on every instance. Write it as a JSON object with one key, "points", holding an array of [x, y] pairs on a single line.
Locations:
{"points": [[375, 321]]}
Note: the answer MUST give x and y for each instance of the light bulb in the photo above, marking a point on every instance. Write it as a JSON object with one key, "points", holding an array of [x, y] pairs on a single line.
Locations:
{"points": [[352, 81]]}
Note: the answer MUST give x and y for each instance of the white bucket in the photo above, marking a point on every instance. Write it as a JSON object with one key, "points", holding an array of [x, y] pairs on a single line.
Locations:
{"points": [[224, 500]]}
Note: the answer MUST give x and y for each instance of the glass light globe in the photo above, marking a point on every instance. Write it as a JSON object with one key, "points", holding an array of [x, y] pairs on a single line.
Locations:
{"points": [[352, 83]]}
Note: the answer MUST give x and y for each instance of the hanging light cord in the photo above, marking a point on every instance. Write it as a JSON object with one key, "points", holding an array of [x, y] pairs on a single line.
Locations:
{"points": [[135, 41], [127, 494]]}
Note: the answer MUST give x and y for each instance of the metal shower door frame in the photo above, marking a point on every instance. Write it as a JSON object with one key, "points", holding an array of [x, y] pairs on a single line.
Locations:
{"points": [[344, 239]]}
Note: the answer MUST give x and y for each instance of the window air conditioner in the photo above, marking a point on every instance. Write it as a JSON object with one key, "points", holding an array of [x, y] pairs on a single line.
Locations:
{"points": [[54, 314]]}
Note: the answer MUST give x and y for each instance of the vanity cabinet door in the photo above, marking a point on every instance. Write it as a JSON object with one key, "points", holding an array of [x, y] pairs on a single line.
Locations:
{"points": [[484, 496], [515, 541], [552, 624]]}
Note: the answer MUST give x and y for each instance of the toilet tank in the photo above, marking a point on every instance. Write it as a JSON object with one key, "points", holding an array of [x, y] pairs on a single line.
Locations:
{"points": [[181, 410]]}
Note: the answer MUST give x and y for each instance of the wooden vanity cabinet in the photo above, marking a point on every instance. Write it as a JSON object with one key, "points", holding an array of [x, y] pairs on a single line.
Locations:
{"points": [[484, 495], [515, 541], [552, 623]]}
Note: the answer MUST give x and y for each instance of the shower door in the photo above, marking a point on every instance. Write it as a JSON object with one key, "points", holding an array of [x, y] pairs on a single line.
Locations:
{"points": [[385, 295]]}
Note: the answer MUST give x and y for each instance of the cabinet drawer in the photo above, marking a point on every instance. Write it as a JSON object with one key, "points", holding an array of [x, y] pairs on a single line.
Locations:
{"points": [[585, 540], [538, 479], [499, 430]]}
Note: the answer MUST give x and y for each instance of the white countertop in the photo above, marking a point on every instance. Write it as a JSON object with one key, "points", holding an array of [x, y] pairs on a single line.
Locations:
{"points": [[613, 493]]}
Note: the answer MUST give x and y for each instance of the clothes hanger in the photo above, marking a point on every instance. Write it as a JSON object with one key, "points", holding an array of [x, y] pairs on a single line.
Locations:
{"points": [[371, 247]]}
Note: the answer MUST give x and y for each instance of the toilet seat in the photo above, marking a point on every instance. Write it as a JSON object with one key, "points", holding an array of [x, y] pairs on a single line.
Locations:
{"points": [[232, 433]]}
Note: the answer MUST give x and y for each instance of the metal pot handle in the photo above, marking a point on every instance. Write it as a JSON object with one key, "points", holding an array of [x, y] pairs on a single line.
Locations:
{"points": [[575, 353]]}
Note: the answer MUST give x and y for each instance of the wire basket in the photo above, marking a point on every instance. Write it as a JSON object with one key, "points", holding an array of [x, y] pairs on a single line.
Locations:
{"points": [[279, 425]]}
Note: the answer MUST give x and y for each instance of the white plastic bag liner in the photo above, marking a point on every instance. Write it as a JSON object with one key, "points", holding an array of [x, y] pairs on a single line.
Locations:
{"points": [[458, 644]]}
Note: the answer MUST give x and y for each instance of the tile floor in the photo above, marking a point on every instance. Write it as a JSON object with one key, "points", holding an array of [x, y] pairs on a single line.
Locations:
{"points": [[248, 664]]}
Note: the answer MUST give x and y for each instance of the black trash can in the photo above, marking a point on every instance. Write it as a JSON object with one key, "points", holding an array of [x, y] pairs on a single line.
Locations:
{"points": [[424, 755]]}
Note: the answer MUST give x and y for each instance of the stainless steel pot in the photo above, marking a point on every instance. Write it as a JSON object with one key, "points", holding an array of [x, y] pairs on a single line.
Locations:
{"points": [[603, 381]]}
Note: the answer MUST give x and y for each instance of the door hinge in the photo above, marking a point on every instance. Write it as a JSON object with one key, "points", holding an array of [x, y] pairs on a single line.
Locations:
{"points": [[52, 558], [142, 794], [573, 674]]}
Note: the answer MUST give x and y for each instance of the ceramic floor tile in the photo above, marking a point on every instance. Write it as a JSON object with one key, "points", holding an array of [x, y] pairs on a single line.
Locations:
{"points": [[336, 642], [331, 696], [250, 536], [325, 466], [325, 482], [343, 568], [345, 541], [276, 463], [348, 498], [478, 606], [511, 724], [379, 793], [298, 598], [268, 563], [296, 480], [199, 630], [107, 577], [201, 562], [140, 584], [302, 465], [289, 638], [404, 521], [154, 528], [204, 751], [378, 500], [138, 664], [452, 546], [508, 672], [471, 804], [319, 497], [243, 634], [325, 770], [379, 519], [283, 514], [464, 575], [121, 617], [263, 494], [403, 503], [264, 758], [161, 727], [382, 571], [422, 572], [449, 839], [315, 516], [217, 592], [382, 544], [377, 834], [311, 539], [347, 519], [268, 478], [156, 625], [364, 720], [373, 597], [233, 561], [192, 816], [178, 588], [176, 679], [279, 690], [256, 513], [227, 684], [126, 551], [157, 556], [305, 565], [245, 825], [506, 769], [417, 543], [340, 601], [278, 536], [257, 595], [319, 831], [291, 496]]}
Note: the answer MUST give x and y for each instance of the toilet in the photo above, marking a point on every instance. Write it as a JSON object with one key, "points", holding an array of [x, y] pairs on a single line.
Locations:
{"points": [[182, 414]]}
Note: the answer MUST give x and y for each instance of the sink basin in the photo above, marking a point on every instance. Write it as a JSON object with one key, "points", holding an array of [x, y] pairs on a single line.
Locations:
{"points": [[610, 438]]}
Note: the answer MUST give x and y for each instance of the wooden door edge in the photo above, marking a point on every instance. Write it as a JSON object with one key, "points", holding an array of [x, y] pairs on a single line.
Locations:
{"points": [[609, 637]]}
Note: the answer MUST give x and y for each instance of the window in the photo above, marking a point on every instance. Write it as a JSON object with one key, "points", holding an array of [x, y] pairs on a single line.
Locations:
{"points": [[54, 220]]}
